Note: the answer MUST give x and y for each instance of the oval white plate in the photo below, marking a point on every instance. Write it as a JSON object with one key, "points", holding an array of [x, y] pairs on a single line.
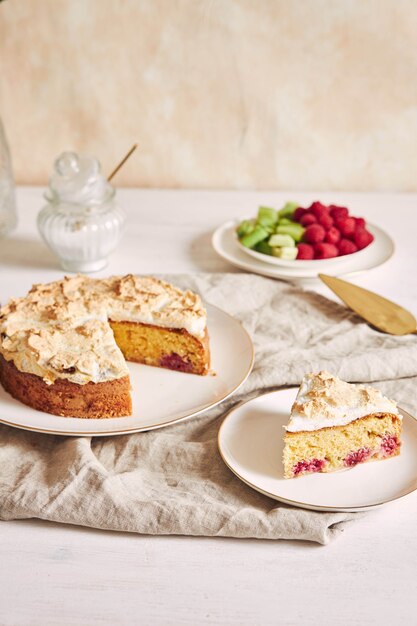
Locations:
{"points": [[318, 265], [160, 397], [225, 244], [251, 445]]}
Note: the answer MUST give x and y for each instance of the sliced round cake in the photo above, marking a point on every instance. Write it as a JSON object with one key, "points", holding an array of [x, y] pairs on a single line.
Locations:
{"points": [[64, 346]]}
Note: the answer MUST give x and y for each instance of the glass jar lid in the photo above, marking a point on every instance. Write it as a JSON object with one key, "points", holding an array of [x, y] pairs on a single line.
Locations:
{"points": [[78, 180]]}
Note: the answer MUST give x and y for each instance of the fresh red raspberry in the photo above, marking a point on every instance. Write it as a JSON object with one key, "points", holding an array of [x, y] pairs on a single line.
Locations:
{"points": [[307, 219], [298, 213], [362, 238], [346, 226], [305, 251], [332, 236], [325, 220], [360, 222], [346, 247], [338, 212], [318, 209], [314, 233], [325, 251]]}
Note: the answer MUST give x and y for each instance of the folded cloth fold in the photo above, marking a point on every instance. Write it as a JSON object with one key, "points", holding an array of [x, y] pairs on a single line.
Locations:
{"points": [[173, 481]]}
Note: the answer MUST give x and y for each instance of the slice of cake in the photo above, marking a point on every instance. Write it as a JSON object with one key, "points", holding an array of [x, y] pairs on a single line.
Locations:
{"points": [[335, 425], [64, 346]]}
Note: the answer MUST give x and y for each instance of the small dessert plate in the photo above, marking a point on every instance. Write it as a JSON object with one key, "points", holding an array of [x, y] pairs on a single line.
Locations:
{"points": [[251, 444], [160, 397], [224, 242]]}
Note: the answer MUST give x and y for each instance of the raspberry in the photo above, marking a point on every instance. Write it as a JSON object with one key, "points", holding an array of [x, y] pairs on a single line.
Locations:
{"points": [[332, 236], [346, 226], [390, 444], [338, 212], [305, 251], [298, 213], [325, 220], [362, 238], [307, 219], [175, 362], [325, 251], [318, 209], [360, 222], [359, 456], [346, 247], [313, 465], [314, 233]]}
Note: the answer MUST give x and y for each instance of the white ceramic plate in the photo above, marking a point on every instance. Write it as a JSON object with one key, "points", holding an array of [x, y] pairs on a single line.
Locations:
{"points": [[225, 244], [160, 397], [251, 444]]}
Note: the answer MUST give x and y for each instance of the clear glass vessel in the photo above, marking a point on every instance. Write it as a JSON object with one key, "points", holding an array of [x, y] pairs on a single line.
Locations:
{"points": [[8, 215], [81, 221]]}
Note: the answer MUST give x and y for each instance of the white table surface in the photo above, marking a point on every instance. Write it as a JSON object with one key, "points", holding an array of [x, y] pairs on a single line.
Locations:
{"points": [[52, 574]]}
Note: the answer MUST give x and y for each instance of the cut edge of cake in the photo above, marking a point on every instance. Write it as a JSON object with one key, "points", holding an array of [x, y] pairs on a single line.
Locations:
{"points": [[336, 425], [170, 348]]}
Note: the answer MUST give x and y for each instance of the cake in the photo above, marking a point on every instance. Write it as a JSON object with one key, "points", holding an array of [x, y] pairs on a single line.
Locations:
{"points": [[64, 346], [335, 425]]}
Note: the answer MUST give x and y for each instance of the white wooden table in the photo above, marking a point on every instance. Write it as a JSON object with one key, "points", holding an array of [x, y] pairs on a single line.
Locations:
{"points": [[56, 575]]}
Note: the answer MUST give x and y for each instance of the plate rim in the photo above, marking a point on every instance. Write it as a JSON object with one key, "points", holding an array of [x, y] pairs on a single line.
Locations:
{"points": [[127, 431], [296, 503], [275, 271]]}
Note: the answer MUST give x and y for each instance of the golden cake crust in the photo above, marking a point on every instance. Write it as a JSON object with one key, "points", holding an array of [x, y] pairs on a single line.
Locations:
{"points": [[67, 399]]}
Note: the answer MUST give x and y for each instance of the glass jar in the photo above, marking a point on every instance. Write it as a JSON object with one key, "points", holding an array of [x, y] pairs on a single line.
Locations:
{"points": [[81, 221], [8, 215]]}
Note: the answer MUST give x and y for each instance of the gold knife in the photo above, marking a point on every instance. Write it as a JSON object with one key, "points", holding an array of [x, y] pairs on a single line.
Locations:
{"points": [[376, 310]]}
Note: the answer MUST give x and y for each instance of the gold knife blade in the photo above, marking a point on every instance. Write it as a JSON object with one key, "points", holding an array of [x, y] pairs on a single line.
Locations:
{"points": [[376, 310]]}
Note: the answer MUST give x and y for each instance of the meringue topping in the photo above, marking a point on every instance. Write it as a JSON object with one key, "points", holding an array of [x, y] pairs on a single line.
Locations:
{"points": [[324, 400], [61, 329]]}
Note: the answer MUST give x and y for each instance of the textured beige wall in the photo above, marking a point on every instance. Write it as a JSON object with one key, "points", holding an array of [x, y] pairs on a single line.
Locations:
{"points": [[219, 93]]}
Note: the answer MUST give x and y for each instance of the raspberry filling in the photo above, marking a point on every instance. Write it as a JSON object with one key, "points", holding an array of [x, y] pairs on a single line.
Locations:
{"points": [[175, 362], [389, 444], [314, 465], [359, 456]]}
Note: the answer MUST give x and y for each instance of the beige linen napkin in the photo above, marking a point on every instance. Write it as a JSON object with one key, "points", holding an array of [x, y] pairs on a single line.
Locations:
{"points": [[173, 481]]}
